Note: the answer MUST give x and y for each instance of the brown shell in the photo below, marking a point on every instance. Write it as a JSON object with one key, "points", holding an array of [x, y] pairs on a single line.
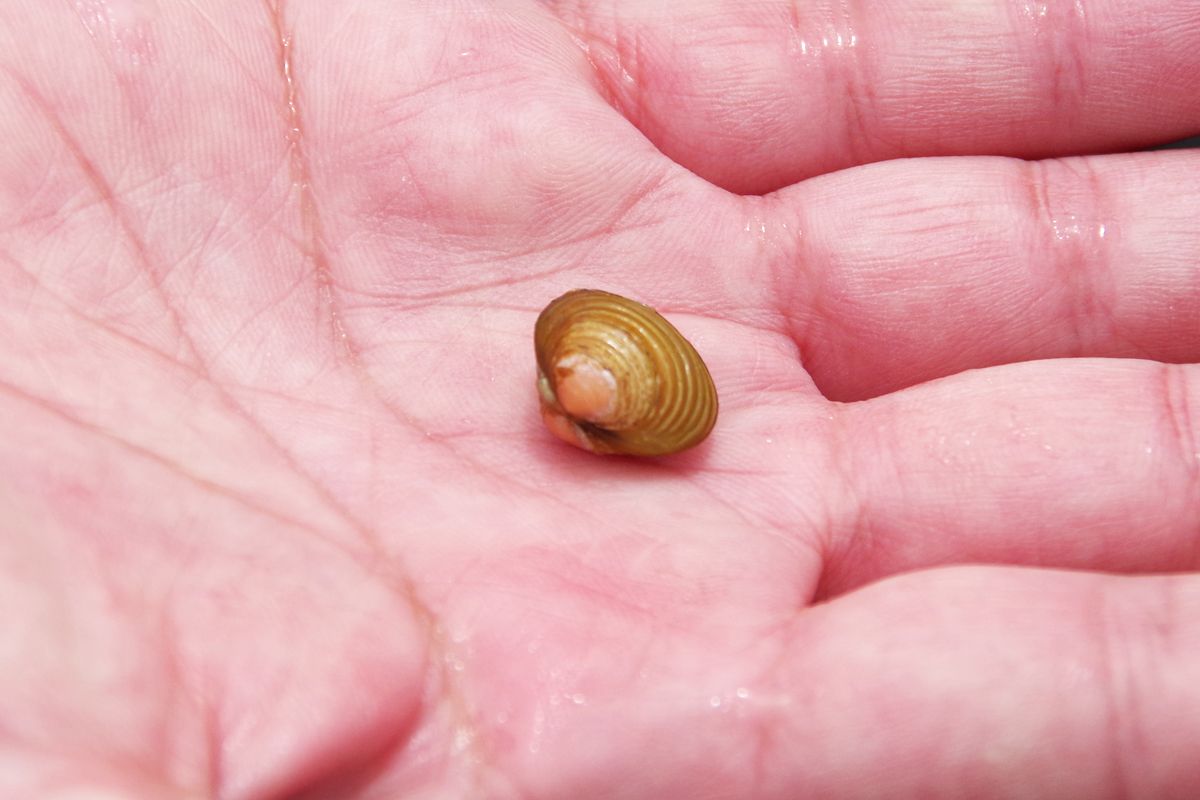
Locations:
{"points": [[665, 399]]}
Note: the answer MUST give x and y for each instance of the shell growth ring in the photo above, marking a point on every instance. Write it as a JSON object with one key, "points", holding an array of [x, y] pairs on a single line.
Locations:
{"points": [[615, 377]]}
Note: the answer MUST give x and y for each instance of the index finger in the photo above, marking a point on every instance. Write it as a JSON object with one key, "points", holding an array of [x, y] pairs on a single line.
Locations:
{"points": [[755, 96]]}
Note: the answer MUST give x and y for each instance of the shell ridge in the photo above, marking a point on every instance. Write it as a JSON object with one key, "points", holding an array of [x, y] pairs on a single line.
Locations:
{"points": [[665, 400]]}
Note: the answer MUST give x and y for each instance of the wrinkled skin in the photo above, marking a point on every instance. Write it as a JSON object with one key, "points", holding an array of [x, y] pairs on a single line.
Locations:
{"points": [[278, 517]]}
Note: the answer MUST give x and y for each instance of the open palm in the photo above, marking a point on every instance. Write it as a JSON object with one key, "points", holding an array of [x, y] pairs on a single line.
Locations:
{"points": [[278, 515]]}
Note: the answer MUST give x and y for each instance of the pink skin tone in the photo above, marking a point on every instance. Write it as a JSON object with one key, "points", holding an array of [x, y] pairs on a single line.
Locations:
{"points": [[278, 513]]}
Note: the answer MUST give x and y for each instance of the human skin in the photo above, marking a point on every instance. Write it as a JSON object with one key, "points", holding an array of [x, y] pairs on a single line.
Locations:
{"points": [[278, 515]]}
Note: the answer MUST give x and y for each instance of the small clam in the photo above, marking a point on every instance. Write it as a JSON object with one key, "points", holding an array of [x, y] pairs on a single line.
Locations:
{"points": [[615, 377]]}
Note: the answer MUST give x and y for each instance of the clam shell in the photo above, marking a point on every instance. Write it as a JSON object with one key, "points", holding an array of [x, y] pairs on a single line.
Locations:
{"points": [[664, 399]]}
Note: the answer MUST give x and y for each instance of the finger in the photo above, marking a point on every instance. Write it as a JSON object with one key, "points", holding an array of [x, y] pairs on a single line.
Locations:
{"points": [[1091, 464], [755, 96], [965, 682], [992, 683], [897, 273]]}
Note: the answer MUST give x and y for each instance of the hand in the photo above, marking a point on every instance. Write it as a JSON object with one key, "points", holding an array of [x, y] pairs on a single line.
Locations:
{"points": [[278, 516]]}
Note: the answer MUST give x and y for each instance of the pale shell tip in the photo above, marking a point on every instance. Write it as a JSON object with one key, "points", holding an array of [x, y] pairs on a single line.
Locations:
{"points": [[585, 389]]}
